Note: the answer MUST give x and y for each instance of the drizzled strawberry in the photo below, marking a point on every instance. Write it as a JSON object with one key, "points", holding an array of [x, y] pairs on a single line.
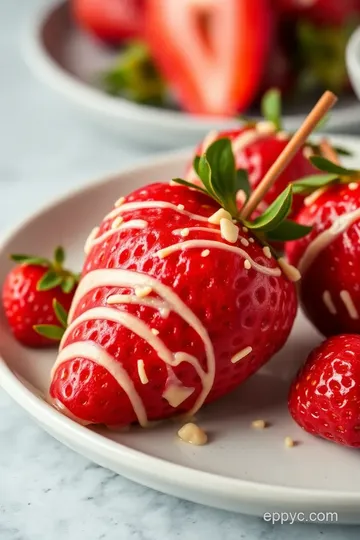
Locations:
{"points": [[257, 145], [177, 304], [329, 257]]}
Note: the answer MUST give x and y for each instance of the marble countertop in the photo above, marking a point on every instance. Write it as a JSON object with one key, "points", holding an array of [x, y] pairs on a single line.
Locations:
{"points": [[47, 492]]}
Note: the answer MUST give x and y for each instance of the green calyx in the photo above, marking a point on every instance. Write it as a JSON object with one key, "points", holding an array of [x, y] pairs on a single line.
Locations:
{"points": [[222, 182], [135, 77], [56, 275], [330, 174], [271, 110], [53, 331]]}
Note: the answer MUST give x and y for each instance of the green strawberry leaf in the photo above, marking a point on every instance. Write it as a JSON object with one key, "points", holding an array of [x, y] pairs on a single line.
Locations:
{"points": [[196, 164], [242, 182], [60, 313], [325, 165], [59, 255], [189, 185], [205, 175], [308, 184], [68, 284], [29, 259], [342, 151], [274, 214], [287, 230], [271, 107], [49, 331], [221, 160], [50, 280]]}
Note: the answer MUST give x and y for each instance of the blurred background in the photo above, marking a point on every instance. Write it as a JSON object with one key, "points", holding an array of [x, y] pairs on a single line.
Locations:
{"points": [[163, 73]]}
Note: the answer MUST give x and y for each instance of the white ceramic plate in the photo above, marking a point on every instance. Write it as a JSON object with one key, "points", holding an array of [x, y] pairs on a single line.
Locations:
{"points": [[70, 62], [241, 469]]}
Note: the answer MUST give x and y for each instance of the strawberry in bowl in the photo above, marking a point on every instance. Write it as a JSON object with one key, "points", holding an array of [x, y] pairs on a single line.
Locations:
{"points": [[180, 301], [329, 257], [212, 54], [256, 145]]}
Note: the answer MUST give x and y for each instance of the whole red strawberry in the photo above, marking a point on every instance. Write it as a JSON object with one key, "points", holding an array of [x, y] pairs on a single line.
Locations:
{"points": [[173, 310], [325, 396], [257, 145], [329, 257], [36, 295]]}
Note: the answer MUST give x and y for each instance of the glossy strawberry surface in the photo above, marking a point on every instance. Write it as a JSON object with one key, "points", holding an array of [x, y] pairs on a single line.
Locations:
{"points": [[324, 398], [329, 289], [240, 308], [25, 306]]}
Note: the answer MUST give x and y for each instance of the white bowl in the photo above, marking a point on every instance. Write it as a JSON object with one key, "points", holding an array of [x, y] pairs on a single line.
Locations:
{"points": [[353, 61], [68, 61]]}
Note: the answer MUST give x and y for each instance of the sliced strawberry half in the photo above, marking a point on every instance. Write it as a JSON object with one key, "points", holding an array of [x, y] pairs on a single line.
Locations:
{"points": [[212, 53]]}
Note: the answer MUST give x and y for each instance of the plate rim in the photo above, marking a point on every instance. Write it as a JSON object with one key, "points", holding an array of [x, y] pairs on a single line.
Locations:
{"points": [[136, 461], [60, 80]]}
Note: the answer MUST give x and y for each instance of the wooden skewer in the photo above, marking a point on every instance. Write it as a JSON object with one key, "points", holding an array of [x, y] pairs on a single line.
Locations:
{"points": [[329, 152], [324, 104]]}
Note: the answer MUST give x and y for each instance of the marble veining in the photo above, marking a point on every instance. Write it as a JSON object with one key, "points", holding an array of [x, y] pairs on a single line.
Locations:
{"points": [[47, 492]]}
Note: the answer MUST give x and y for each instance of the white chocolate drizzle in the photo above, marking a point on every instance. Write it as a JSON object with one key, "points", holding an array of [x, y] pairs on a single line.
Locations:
{"points": [[153, 204], [246, 139], [185, 232], [191, 244], [119, 202], [96, 353], [325, 238], [328, 301], [289, 270], [117, 222], [241, 354], [349, 304], [90, 239], [160, 305], [122, 226]]}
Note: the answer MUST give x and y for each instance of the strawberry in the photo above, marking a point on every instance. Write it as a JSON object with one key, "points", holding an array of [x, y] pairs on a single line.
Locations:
{"points": [[333, 12], [173, 310], [325, 396], [329, 257], [257, 145], [36, 295], [110, 20], [135, 77], [212, 54]]}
